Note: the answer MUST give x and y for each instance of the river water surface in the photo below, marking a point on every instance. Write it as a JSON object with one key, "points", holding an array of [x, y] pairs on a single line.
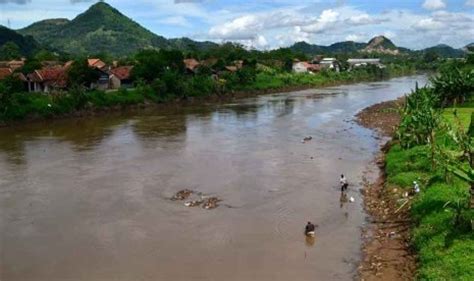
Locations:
{"points": [[89, 199]]}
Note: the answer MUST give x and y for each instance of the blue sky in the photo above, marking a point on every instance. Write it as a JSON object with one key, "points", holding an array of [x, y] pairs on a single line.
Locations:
{"points": [[266, 24]]}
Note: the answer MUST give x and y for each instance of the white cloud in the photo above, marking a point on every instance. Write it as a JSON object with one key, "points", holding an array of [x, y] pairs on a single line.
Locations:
{"points": [[428, 24], [355, 37], [434, 4], [177, 21], [470, 3], [364, 19], [324, 21]]}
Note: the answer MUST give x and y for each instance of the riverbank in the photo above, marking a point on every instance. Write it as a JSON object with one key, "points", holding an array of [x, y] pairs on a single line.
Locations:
{"points": [[386, 250], [428, 235], [28, 107]]}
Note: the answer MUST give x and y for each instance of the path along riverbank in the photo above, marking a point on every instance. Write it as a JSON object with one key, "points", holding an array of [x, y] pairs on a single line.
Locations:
{"points": [[386, 251]]}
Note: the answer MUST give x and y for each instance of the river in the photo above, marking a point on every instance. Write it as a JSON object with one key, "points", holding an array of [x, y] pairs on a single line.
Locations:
{"points": [[89, 199]]}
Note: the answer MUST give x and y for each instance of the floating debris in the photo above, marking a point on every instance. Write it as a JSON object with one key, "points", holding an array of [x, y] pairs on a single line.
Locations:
{"points": [[182, 194], [211, 203], [351, 199], [193, 203]]}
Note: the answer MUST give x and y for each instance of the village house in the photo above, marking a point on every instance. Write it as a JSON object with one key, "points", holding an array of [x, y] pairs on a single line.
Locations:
{"points": [[13, 64], [191, 65], [5, 72], [354, 63], [47, 79], [120, 77], [102, 70], [304, 67], [330, 63]]}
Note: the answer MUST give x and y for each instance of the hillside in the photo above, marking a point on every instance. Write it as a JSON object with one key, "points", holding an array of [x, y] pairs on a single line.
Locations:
{"points": [[44, 30], [445, 51], [103, 28], [381, 44], [26, 43]]}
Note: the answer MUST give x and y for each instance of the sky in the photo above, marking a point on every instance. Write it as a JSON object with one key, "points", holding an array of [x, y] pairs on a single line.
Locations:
{"points": [[265, 24]]}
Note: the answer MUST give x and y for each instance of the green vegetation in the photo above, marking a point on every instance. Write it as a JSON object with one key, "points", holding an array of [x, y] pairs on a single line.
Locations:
{"points": [[14, 45], [102, 29], [435, 147]]}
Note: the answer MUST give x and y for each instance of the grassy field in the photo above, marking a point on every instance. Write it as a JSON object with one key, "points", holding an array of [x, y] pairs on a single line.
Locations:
{"points": [[445, 248]]}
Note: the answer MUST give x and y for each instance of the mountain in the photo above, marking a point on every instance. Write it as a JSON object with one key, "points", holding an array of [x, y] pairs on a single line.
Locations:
{"points": [[382, 45], [186, 44], [445, 51], [346, 47], [44, 30], [379, 44], [306, 48], [103, 28], [26, 44], [468, 47]]}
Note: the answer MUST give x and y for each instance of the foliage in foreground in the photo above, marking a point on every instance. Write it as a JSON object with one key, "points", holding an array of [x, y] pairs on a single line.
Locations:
{"points": [[436, 148]]}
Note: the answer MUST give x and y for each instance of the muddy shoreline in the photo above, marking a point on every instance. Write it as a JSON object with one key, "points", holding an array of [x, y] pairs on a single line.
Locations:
{"points": [[386, 249], [176, 103]]}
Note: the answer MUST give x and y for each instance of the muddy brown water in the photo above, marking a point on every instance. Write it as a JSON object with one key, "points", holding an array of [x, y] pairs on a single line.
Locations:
{"points": [[89, 199]]}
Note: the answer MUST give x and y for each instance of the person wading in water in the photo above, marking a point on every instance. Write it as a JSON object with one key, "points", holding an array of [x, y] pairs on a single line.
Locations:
{"points": [[344, 183]]}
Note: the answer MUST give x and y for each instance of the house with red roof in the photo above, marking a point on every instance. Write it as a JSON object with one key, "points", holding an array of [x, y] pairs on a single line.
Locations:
{"points": [[47, 79], [5, 72], [191, 65], [120, 77]]}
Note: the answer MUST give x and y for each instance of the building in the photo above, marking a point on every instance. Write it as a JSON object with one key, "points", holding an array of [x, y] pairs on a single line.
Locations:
{"points": [[96, 63], [5, 72], [304, 67], [47, 80], [191, 65], [13, 64], [102, 71], [120, 77], [330, 63], [354, 63]]}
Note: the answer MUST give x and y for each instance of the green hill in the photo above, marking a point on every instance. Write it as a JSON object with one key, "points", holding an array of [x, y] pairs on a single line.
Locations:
{"points": [[103, 28], [445, 51], [26, 44]]}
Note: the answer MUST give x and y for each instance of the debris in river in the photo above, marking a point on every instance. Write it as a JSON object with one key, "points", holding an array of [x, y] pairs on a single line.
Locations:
{"points": [[182, 194], [193, 203], [351, 199], [308, 138], [211, 203]]}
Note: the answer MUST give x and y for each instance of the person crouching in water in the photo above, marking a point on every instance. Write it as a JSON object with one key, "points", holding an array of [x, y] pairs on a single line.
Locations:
{"points": [[310, 229], [344, 183]]}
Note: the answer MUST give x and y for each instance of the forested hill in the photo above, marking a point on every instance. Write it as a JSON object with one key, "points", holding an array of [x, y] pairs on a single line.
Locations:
{"points": [[102, 28], [11, 41]]}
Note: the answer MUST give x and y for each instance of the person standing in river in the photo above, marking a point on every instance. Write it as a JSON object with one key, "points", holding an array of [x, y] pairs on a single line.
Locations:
{"points": [[343, 182]]}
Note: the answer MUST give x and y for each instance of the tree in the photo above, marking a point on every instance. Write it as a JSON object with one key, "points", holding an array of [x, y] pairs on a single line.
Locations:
{"points": [[152, 63], [9, 51], [81, 75]]}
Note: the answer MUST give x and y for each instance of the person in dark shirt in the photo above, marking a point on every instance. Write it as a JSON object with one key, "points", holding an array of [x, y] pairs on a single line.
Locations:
{"points": [[309, 229]]}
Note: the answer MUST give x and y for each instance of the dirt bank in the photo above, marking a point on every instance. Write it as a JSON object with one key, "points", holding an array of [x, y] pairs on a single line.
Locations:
{"points": [[386, 251]]}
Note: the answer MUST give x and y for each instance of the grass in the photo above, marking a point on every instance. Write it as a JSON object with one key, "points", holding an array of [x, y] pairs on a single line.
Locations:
{"points": [[445, 249]]}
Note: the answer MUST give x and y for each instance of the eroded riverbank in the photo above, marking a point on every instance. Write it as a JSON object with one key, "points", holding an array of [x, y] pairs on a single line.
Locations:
{"points": [[88, 199], [387, 253]]}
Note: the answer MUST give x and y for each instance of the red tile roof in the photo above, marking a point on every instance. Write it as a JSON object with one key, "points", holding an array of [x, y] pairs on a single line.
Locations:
{"points": [[96, 63], [5, 72], [191, 64], [122, 72], [55, 76]]}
